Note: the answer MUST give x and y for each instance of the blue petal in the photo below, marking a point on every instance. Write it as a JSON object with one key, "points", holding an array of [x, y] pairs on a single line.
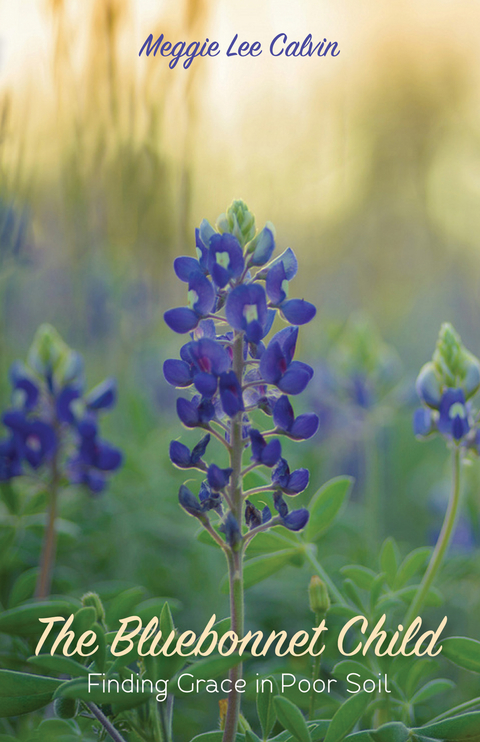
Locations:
{"points": [[305, 426], [187, 412], [180, 455], [63, 404], [295, 378], [274, 284], [422, 422], [109, 458], [218, 478], [201, 286], [199, 450], [272, 363], [271, 453], [184, 267], [181, 319], [265, 245], [177, 373], [103, 396], [283, 415], [206, 384], [298, 481], [296, 519], [298, 311], [189, 502], [266, 514], [230, 394]]}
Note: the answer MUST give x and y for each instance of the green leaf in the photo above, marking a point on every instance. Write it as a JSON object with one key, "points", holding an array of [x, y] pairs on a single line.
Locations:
{"points": [[412, 563], [361, 576], [260, 568], [21, 692], [462, 652], [326, 505], [10, 497], [166, 621], [291, 718], [55, 730], [23, 588], [345, 667], [59, 664], [265, 706], [434, 597], [78, 688], [434, 688], [393, 732], [464, 727], [359, 737], [123, 605], [24, 620], [347, 716], [216, 736], [317, 731], [389, 560], [83, 620], [251, 737], [206, 669], [266, 543]]}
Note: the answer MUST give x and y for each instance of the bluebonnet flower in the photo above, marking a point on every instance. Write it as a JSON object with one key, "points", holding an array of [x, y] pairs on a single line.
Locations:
{"points": [[445, 386], [218, 478], [51, 414], [94, 458], [290, 483], [201, 299], [230, 393], [246, 309], [196, 413], [299, 428], [278, 367], [234, 371], [262, 452], [296, 311], [181, 456]]}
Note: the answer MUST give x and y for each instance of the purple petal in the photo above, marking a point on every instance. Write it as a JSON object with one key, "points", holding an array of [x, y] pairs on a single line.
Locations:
{"points": [[264, 247], [184, 266], [298, 481], [272, 363], [218, 478], [283, 415], [274, 284], [181, 319], [103, 396], [298, 311], [423, 423], [305, 426], [206, 384], [189, 502], [109, 458], [187, 412], [295, 378], [272, 452], [177, 373], [180, 455], [296, 519], [63, 404], [201, 293]]}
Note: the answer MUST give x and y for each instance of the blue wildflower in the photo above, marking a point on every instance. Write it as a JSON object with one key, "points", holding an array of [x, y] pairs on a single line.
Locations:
{"points": [[299, 428], [94, 458], [225, 259], [278, 367], [290, 483], [295, 311], [181, 456], [453, 414], [195, 413], [201, 300], [262, 452], [218, 478], [294, 520], [36, 440], [246, 309], [230, 528], [230, 393], [261, 247]]}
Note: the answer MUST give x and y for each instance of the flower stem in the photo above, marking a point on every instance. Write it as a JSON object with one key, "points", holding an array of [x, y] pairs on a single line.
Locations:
{"points": [[106, 724], [49, 545], [442, 543], [235, 554], [315, 673]]}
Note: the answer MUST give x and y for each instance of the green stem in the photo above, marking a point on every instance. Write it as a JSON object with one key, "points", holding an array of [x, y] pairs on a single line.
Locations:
{"points": [[235, 554], [333, 591], [106, 724], [457, 710], [315, 672], [49, 546], [442, 543]]}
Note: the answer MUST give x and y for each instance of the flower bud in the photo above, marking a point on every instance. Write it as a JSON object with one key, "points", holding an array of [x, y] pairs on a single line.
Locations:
{"points": [[428, 385], [238, 221], [47, 350], [448, 354], [93, 600], [318, 596], [471, 380], [65, 708]]}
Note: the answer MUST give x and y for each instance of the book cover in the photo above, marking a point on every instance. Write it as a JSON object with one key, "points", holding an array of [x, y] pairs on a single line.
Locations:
{"points": [[239, 365]]}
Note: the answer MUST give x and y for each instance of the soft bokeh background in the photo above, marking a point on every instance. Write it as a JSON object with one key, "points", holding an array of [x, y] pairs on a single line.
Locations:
{"points": [[369, 166]]}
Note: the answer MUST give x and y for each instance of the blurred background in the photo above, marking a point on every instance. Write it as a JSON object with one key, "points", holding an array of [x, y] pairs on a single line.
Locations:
{"points": [[368, 164]]}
